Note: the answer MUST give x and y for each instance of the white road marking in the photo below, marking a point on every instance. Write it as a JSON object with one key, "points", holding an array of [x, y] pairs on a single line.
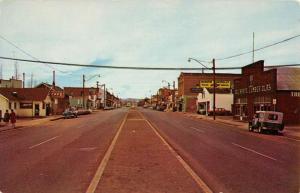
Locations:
{"points": [[185, 165], [199, 130], [96, 179], [293, 140], [43, 142], [253, 151]]}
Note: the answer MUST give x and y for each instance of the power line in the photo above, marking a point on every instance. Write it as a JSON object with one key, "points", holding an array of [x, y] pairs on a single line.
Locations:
{"points": [[26, 53], [258, 49], [131, 67]]}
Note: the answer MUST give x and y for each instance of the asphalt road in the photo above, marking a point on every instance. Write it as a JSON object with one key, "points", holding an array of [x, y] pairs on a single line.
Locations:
{"points": [[60, 156], [229, 159], [63, 156]]}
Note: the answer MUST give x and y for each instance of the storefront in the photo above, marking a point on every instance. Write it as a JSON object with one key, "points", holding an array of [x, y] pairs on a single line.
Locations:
{"points": [[191, 84], [261, 89], [27, 102]]}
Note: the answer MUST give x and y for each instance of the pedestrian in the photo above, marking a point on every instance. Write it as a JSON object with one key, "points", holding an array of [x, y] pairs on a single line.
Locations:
{"points": [[6, 118], [13, 118]]}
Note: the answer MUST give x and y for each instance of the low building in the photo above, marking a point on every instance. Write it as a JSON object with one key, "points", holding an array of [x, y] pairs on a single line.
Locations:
{"points": [[4, 105], [58, 100], [26, 102], [276, 89], [224, 100], [11, 83], [191, 84], [82, 98]]}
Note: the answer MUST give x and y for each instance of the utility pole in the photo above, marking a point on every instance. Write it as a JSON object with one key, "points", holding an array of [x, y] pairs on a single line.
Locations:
{"points": [[83, 82], [104, 96], [253, 49], [214, 95]]}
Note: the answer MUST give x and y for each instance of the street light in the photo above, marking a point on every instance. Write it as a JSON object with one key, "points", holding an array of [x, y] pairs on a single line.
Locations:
{"points": [[214, 82], [190, 59], [83, 85]]}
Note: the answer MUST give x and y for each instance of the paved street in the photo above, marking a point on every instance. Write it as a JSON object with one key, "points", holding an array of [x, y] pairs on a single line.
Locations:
{"points": [[141, 150]]}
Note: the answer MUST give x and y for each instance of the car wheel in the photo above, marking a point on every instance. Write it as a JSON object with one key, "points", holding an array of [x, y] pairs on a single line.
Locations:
{"points": [[250, 128]]}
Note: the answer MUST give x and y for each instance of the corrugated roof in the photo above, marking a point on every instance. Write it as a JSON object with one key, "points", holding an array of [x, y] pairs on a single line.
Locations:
{"points": [[25, 94], [288, 78]]}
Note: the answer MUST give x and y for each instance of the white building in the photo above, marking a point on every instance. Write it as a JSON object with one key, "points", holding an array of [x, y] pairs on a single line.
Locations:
{"points": [[224, 99]]}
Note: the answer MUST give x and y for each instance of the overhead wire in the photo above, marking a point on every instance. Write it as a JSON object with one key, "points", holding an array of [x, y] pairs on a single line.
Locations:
{"points": [[26, 53], [130, 67], [258, 49]]}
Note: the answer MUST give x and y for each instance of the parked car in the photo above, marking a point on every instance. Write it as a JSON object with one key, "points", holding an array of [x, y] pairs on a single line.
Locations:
{"points": [[267, 120], [219, 112], [70, 113]]}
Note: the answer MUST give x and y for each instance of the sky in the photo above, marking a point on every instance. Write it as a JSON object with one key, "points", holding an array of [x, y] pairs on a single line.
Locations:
{"points": [[145, 33]]}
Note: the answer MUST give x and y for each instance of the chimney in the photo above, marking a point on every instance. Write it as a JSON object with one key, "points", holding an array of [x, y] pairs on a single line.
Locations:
{"points": [[23, 80], [53, 83]]}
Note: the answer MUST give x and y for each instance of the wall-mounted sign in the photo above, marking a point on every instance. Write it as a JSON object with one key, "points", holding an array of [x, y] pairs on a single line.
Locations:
{"points": [[253, 89], [196, 90], [57, 94], [25, 105], [219, 84]]}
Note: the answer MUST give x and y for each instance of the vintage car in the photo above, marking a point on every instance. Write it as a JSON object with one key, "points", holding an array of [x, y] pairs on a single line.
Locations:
{"points": [[70, 113], [267, 120]]}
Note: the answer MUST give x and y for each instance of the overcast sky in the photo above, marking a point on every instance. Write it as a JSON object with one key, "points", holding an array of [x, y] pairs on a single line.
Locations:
{"points": [[160, 33]]}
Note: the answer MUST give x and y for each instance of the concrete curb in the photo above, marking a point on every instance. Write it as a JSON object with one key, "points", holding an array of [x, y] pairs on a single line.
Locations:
{"points": [[286, 132]]}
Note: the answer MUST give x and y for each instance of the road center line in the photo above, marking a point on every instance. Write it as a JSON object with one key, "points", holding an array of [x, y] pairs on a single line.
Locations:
{"points": [[203, 186], [199, 130], [43, 142], [96, 179], [253, 151]]}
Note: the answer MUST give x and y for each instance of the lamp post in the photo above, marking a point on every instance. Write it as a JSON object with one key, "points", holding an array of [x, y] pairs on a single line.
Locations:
{"points": [[214, 81], [83, 85]]}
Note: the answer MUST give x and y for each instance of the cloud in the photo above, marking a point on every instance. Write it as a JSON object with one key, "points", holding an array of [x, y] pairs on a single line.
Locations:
{"points": [[142, 33], [102, 61]]}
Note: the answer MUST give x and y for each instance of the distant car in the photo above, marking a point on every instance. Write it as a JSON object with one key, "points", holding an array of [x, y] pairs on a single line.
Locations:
{"points": [[267, 120], [219, 112], [70, 113]]}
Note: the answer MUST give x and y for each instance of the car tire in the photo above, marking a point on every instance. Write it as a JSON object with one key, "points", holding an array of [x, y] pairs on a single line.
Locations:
{"points": [[250, 128]]}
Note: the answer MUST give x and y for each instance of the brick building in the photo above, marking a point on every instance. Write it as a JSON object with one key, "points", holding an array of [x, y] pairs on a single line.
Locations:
{"points": [[274, 89], [191, 84]]}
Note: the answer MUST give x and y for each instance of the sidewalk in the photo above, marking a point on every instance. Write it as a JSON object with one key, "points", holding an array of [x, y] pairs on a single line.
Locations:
{"points": [[292, 131], [25, 122]]}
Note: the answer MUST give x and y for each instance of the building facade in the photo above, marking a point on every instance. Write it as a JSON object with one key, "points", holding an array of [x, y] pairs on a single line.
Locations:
{"points": [[191, 84], [263, 89], [224, 99], [58, 100], [26, 102], [11, 83]]}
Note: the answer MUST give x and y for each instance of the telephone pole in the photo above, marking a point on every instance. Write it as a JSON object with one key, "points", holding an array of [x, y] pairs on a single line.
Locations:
{"points": [[214, 95], [83, 82]]}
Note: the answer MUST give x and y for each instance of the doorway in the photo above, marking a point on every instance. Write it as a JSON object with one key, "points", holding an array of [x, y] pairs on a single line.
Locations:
{"points": [[36, 110]]}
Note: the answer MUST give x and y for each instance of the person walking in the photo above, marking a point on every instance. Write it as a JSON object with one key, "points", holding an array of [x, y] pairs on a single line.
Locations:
{"points": [[6, 118], [13, 118]]}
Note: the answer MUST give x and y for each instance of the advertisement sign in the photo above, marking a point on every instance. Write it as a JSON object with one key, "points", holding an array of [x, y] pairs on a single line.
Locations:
{"points": [[25, 105], [219, 84]]}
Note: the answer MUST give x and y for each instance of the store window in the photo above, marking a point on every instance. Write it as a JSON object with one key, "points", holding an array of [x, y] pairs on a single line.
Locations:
{"points": [[251, 79]]}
